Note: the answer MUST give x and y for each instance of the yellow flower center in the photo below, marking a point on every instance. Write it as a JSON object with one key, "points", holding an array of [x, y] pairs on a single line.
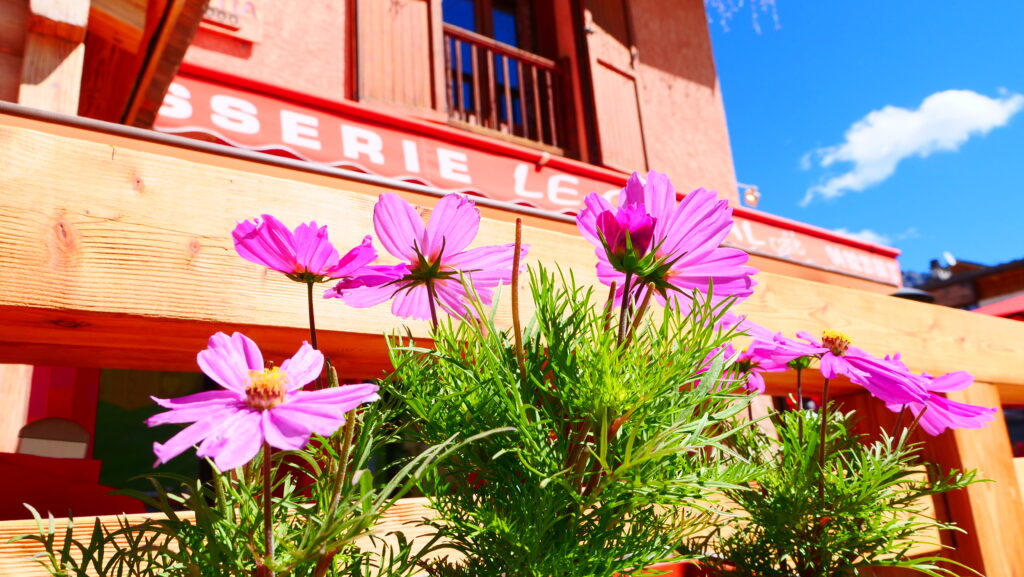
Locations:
{"points": [[267, 388], [835, 341]]}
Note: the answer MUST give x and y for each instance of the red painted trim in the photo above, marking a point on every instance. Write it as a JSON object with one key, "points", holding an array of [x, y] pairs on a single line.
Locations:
{"points": [[445, 132], [811, 230], [426, 127]]}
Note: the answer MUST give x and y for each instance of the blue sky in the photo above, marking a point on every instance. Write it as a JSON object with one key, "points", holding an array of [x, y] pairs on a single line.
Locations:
{"points": [[920, 104]]}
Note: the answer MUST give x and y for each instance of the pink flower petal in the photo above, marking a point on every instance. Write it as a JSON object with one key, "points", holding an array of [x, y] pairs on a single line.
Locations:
{"points": [[398, 227], [454, 223], [283, 433], [320, 419], [191, 435], [586, 221], [303, 367], [633, 192], [236, 443], [313, 251], [412, 303], [354, 260], [267, 242], [949, 382], [659, 196], [228, 360], [343, 398], [192, 408]]}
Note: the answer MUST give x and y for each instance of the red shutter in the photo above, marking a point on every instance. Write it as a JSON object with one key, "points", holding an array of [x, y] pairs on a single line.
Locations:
{"points": [[398, 47], [613, 73]]}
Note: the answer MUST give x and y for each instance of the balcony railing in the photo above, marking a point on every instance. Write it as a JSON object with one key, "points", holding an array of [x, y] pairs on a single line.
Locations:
{"points": [[501, 87]]}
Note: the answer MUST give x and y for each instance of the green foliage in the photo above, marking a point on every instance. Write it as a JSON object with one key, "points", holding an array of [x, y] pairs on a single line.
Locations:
{"points": [[871, 514], [607, 446], [319, 508]]}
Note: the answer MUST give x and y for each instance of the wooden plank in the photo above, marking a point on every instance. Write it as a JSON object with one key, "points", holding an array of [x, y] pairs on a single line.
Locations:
{"points": [[65, 19], [991, 513], [16, 559], [122, 22], [15, 390], [108, 225], [51, 73], [179, 22], [1018, 466], [13, 27], [10, 76]]}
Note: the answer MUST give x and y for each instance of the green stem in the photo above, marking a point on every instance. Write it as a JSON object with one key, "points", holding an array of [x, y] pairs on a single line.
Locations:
{"points": [[344, 455], [624, 313], [821, 446], [268, 533], [517, 326], [432, 298], [312, 319], [799, 390], [800, 404]]}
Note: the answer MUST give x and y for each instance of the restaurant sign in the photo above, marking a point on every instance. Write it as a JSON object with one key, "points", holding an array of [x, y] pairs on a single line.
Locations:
{"points": [[256, 121]]}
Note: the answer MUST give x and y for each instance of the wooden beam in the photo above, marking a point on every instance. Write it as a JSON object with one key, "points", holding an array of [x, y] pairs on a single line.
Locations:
{"points": [[171, 39], [111, 226], [15, 390], [64, 19], [990, 512], [51, 74], [122, 22], [51, 68]]}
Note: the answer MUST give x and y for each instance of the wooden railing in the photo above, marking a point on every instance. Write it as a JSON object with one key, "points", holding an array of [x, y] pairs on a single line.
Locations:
{"points": [[17, 559], [502, 87]]}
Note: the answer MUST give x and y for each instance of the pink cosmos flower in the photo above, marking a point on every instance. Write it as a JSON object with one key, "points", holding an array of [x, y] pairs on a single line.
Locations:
{"points": [[435, 258], [683, 254], [939, 413], [750, 364], [257, 404], [626, 234], [836, 356], [881, 379], [305, 255]]}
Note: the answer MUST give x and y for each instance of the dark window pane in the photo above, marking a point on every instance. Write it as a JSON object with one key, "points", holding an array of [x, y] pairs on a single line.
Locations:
{"points": [[461, 13], [504, 16]]}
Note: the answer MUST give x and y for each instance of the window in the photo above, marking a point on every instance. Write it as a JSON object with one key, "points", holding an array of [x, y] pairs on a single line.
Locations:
{"points": [[496, 75]]}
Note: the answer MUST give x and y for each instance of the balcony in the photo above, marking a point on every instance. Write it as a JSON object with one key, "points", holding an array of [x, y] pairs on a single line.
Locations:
{"points": [[498, 87]]}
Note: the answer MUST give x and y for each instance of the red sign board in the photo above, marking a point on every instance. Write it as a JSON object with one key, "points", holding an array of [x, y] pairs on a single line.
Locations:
{"points": [[256, 121]]}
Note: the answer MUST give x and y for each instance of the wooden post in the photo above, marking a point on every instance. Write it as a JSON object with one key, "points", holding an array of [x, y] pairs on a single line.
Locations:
{"points": [[990, 512], [51, 71], [15, 389]]}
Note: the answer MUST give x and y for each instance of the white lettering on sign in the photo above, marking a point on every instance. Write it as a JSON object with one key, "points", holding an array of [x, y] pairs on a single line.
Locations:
{"points": [[411, 156], [356, 142], [234, 114], [176, 104], [786, 245], [453, 165], [300, 129], [563, 195], [519, 176], [863, 263], [743, 232]]}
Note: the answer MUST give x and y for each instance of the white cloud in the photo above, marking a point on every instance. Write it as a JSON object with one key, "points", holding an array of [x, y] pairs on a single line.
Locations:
{"points": [[877, 143], [868, 235]]}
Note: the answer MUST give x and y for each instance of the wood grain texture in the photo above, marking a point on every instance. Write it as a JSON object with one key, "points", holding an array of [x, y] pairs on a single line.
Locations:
{"points": [[102, 225], [65, 19], [15, 390], [992, 513], [16, 558], [121, 22], [178, 26], [51, 73]]}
